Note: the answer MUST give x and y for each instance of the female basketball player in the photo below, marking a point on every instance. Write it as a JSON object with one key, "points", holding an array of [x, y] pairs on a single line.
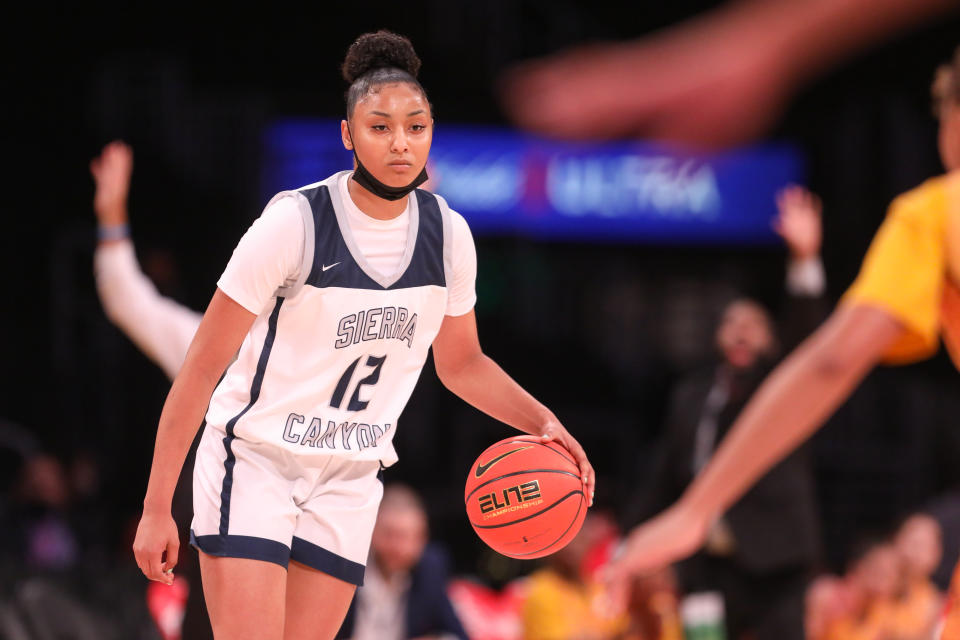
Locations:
{"points": [[332, 298], [906, 292]]}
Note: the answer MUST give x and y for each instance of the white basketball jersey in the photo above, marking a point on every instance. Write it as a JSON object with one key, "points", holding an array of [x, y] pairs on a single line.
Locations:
{"points": [[329, 365]]}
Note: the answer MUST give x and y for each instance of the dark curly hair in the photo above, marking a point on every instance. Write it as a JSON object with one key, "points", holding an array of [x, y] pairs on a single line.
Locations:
{"points": [[946, 83], [376, 59]]}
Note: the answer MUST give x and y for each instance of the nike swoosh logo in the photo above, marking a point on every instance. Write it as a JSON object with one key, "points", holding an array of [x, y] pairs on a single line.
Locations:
{"points": [[329, 266], [483, 468]]}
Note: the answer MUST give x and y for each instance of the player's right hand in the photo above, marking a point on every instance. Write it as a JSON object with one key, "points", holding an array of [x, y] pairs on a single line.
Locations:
{"points": [[111, 171], [799, 221], [554, 431], [157, 546], [673, 535]]}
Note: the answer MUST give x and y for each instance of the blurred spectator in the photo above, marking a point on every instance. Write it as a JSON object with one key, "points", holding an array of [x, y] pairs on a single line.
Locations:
{"points": [[36, 530], [887, 593], [918, 606], [945, 510], [54, 549], [760, 553], [563, 601], [404, 592], [719, 79], [53, 522], [827, 601], [871, 587]]}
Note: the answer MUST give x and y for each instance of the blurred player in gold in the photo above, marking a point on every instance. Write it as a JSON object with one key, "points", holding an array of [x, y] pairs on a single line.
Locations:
{"points": [[904, 298]]}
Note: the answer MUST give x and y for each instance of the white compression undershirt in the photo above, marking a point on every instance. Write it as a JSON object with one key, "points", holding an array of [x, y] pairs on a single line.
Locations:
{"points": [[381, 241], [160, 327]]}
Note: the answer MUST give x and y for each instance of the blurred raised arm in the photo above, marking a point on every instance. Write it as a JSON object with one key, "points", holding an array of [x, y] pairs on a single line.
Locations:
{"points": [[160, 327], [717, 80]]}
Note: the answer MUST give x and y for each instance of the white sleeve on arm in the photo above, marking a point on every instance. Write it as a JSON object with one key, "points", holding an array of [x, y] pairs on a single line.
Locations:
{"points": [[462, 292], [161, 328], [268, 256], [806, 278]]}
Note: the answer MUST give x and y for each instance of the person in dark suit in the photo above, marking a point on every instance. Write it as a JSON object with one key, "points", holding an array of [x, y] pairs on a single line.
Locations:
{"points": [[760, 553], [404, 595]]}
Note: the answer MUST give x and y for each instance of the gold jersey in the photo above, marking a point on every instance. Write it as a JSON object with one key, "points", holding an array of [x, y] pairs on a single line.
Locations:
{"points": [[912, 270]]}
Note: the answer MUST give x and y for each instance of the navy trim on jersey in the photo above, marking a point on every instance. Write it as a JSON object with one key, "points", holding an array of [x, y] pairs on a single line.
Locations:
{"points": [[328, 562], [334, 265], [231, 460], [426, 267], [248, 547]]}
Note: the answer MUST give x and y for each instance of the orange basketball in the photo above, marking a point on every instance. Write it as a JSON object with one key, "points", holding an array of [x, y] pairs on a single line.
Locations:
{"points": [[525, 498]]}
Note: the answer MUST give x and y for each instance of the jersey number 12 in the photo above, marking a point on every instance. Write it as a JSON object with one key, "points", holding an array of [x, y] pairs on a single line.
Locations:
{"points": [[355, 403]]}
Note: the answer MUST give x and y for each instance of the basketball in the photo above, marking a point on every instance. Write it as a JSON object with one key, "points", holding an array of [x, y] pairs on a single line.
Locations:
{"points": [[525, 498]]}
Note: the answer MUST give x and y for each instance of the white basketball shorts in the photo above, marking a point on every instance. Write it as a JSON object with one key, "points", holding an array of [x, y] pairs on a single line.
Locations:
{"points": [[258, 501]]}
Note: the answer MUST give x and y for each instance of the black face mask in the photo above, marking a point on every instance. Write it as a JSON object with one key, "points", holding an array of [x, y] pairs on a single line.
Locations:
{"points": [[366, 180]]}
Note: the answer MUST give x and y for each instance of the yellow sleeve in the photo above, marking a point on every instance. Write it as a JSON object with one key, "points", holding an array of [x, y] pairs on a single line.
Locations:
{"points": [[904, 271]]}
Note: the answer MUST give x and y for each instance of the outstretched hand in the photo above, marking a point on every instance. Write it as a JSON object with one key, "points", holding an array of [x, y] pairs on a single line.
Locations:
{"points": [[707, 83], [671, 536], [799, 221], [719, 79], [111, 171], [556, 431]]}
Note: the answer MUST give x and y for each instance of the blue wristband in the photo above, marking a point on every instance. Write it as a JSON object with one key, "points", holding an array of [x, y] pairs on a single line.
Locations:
{"points": [[113, 232]]}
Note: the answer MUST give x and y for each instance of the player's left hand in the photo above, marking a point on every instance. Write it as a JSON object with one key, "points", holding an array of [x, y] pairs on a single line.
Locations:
{"points": [[675, 534], [553, 430]]}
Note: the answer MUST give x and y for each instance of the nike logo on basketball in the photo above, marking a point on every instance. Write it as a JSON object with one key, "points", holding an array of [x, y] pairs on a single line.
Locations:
{"points": [[329, 266], [483, 468]]}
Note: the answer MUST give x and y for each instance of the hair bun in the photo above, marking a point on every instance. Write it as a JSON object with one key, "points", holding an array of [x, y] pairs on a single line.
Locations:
{"points": [[380, 50]]}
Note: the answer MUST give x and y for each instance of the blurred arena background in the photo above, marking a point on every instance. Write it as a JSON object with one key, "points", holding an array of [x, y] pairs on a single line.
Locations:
{"points": [[599, 328]]}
